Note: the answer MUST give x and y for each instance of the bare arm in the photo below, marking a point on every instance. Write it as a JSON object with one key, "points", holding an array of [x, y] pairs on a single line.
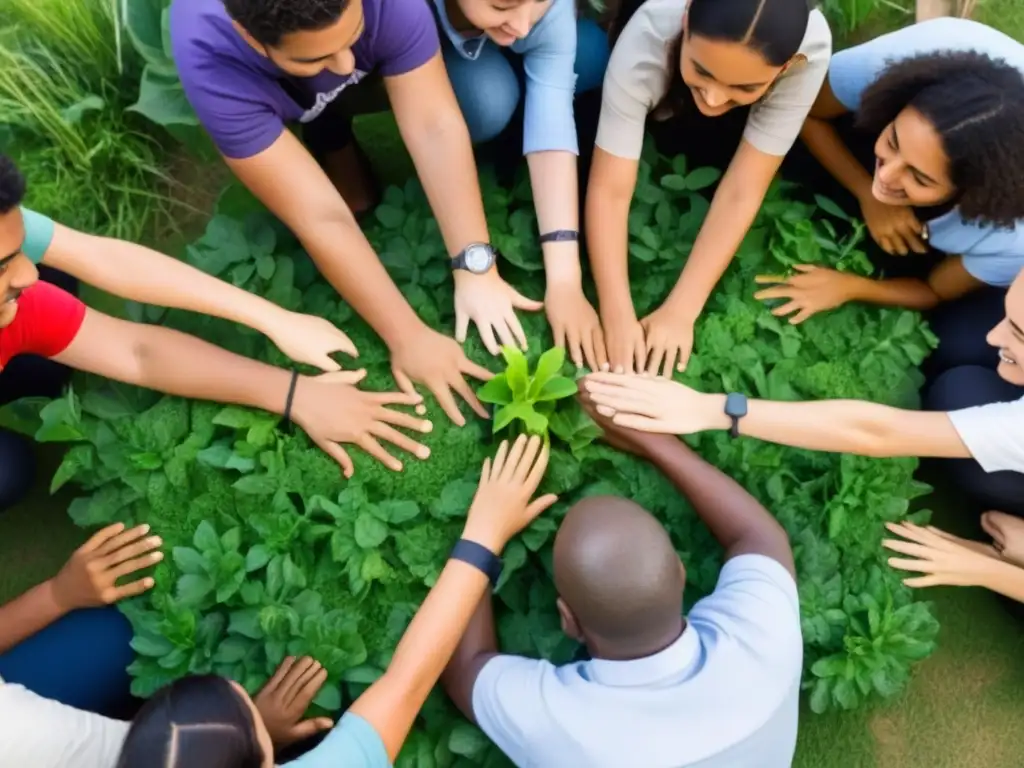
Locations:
{"points": [[556, 199], [948, 281], [478, 645], [736, 519], [824, 144], [609, 193], [1006, 579], [23, 616]]}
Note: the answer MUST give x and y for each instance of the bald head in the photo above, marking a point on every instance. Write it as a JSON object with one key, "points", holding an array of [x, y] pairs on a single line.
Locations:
{"points": [[619, 575]]}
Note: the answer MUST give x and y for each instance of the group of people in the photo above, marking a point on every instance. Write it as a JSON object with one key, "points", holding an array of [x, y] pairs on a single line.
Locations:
{"points": [[920, 132]]}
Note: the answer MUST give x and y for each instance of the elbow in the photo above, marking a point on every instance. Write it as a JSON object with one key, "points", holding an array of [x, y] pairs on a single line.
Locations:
{"points": [[873, 438]]}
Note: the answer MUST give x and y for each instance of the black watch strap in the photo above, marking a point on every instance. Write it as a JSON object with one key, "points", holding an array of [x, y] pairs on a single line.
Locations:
{"points": [[479, 557], [735, 409], [560, 236]]}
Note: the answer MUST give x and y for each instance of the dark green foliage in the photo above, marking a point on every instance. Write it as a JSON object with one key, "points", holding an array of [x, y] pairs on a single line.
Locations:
{"points": [[273, 553]]}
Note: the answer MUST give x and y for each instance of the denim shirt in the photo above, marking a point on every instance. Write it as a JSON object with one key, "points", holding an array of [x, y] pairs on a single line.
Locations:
{"points": [[549, 60]]}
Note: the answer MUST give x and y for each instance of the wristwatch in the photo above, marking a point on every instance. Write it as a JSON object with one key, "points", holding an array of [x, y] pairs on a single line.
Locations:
{"points": [[476, 258], [735, 409], [479, 557]]}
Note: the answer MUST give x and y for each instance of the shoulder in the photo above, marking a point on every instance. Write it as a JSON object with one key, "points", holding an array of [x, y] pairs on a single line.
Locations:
{"points": [[403, 34], [510, 690], [643, 47], [47, 321], [817, 42], [352, 742]]}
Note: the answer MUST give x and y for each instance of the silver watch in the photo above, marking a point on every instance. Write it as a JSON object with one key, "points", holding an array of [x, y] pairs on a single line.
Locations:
{"points": [[477, 258]]}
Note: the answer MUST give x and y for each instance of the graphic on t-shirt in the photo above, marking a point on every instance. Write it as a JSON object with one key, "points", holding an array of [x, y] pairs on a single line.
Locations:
{"points": [[323, 99]]}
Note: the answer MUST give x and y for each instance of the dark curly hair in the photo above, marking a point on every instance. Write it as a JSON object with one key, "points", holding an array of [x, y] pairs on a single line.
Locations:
{"points": [[268, 21], [976, 105], [12, 185]]}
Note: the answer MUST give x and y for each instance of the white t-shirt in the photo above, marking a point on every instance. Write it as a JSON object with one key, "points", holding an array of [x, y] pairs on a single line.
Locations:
{"points": [[724, 695], [992, 255], [994, 434], [639, 73], [36, 732]]}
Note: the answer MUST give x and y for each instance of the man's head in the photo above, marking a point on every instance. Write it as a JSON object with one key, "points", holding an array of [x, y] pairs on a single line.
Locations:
{"points": [[302, 37], [1008, 336], [620, 582], [16, 272], [504, 21]]}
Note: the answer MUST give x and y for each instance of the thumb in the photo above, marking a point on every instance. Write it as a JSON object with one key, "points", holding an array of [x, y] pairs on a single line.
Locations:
{"points": [[342, 343], [342, 377], [539, 505], [521, 302], [308, 728], [804, 267], [325, 363], [402, 381]]}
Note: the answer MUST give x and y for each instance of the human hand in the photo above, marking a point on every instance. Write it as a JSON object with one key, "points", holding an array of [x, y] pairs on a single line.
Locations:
{"points": [[332, 410], [1007, 534], [652, 404], [308, 339], [642, 444], [285, 698], [439, 362], [895, 228], [501, 507], [575, 325], [89, 578], [490, 303], [810, 291], [625, 343], [942, 557], [669, 334]]}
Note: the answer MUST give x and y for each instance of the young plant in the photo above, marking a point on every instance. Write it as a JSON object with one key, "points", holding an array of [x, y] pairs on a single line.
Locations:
{"points": [[525, 397]]}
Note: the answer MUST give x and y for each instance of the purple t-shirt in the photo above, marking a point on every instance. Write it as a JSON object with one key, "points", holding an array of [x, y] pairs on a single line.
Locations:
{"points": [[237, 93]]}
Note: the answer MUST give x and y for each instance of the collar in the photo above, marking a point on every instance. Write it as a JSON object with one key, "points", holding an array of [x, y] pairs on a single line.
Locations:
{"points": [[682, 658], [467, 47]]}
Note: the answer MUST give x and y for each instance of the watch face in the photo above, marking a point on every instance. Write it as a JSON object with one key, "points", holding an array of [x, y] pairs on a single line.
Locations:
{"points": [[478, 258]]}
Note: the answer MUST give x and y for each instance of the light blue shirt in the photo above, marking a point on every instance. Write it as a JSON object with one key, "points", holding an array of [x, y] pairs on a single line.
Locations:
{"points": [[352, 744], [549, 61], [725, 694], [992, 255]]}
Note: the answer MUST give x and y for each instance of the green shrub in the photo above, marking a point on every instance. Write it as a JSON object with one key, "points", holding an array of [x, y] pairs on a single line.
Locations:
{"points": [[274, 554]]}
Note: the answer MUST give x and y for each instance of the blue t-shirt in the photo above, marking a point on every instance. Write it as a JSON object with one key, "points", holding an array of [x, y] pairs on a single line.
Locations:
{"points": [[549, 63], [990, 254], [352, 744], [38, 235]]}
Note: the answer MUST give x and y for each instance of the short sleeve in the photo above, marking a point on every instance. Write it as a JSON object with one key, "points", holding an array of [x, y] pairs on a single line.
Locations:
{"points": [[508, 703], [407, 38], [43, 733], [852, 70], [994, 434], [775, 123], [549, 64], [353, 743], [38, 235], [998, 270], [47, 321]]}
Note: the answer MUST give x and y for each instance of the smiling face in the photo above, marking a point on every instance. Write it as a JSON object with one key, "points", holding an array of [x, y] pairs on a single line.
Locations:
{"points": [[1008, 336], [16, 271], [504, 21], [911, 167], [308, 53], [723, 75]]}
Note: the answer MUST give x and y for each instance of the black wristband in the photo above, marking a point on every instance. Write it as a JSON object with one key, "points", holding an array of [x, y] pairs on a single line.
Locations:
{"points": [[479, 557], [560, 236], [287, 415]]}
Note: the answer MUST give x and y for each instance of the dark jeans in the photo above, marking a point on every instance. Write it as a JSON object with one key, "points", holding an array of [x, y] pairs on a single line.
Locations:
{"points": [[964, 387], [962, 326]]}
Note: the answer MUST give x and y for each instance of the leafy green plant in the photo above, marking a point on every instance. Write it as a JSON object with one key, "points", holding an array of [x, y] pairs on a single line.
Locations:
{"points": [[529, 398]]}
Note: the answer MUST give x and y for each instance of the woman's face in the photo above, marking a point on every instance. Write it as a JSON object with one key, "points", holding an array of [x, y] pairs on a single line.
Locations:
{"points": [[1008, 336], [504, 21], [911, 167], [262, 735], [723, 75]]}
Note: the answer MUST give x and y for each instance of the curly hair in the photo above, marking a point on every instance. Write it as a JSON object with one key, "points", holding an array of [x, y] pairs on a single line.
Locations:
{"points": [[268, 21], [976, 105], [12, 185]]}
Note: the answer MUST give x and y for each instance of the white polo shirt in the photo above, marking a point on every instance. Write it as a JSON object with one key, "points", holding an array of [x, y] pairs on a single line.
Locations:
{"points": [[36, 732], [725, 694], [994, 434]]}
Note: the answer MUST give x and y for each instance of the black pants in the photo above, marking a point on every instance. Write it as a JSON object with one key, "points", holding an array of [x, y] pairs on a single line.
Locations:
{"points": [[28, 376], [964, 387]]}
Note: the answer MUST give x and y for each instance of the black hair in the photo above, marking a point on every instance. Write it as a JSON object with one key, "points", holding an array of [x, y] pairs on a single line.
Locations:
{"points": [[976, 105], [773, 28], [268, 21], [12, 185], [198, 721]]}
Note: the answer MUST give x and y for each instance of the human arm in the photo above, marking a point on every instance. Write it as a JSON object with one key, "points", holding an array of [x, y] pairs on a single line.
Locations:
{"points": [[854, 426], [88, 579], [435, 133], [140, 274], [501, 508], [812, 289]]}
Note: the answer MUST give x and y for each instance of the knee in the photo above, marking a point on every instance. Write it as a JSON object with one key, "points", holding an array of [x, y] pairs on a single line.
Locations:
{"points": [[17, 468], [487, 90], [592, 52]]}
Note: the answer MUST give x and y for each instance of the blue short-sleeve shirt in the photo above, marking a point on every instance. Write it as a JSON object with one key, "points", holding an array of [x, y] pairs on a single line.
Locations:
{"points": [[353, 743]]}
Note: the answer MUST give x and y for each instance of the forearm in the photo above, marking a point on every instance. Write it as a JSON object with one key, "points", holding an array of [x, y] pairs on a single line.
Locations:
{"points": [[443, 155], [23, 616], [1006, 579], [607, 223], [733, 516], [908, 292], [824, 143], [555, 196]]}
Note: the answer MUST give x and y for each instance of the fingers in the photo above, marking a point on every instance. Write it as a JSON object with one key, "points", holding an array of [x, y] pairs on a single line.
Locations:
{"points": [[917, 566], [343, 377], [308, 728], [655, 355], [337, 453], [469, 368], [403, 382], [135, 564], [537, 506], [404, 420], [673, 356], [443, 395], [461, 326], [396, 398], [123, 539], [783, 291], [639, 353], [406, 443], [279, 674], [101, 537], [802, 315], [769, 279], [485, 473], [919, 582], [515, 454], [133, 589], [369, 444], [533, 448], [635, 421], [917, 245], [344, 344], [898, 243], [325, 363], [598, 352], [304, 684], [487, 337], [886, 243], [522, 302], [538, 466], [573, 344], [517, 329], [499, 461], [466, 393], [908, 548], [788, 308], [560, 336], [623, 399]]}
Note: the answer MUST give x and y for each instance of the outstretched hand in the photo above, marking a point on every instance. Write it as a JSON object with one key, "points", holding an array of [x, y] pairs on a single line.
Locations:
{"points": [[285, 698], [490, 303], [808, 291], [939, 557], [650, 403], [309, 339], [642, 444]]}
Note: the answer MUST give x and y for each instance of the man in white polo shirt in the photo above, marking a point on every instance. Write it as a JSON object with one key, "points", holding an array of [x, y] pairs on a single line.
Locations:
{"points": [[717, 688]]}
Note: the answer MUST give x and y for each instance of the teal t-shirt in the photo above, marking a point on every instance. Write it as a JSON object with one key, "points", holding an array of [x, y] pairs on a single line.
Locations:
{"points": [[38, 235], [352, 744]]}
